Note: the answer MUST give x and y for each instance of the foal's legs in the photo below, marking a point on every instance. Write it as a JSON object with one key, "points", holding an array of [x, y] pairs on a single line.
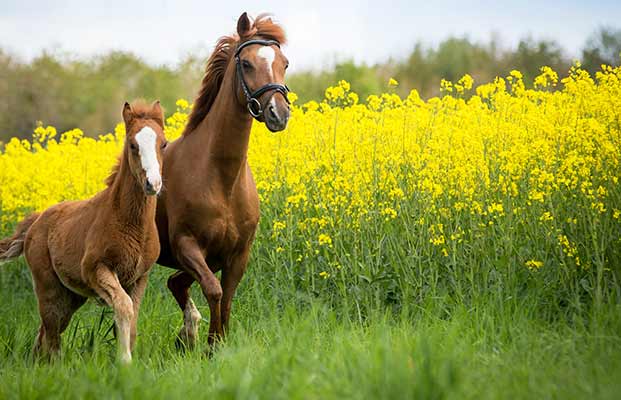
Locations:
{"points": [[57, 305], [136, 292], [107, 286], [193, 260], [179, 284]]}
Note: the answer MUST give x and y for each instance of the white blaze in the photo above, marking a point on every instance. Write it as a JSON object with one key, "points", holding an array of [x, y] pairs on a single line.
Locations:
{"points": [[268, 54], [274, 107], [147, 140]]}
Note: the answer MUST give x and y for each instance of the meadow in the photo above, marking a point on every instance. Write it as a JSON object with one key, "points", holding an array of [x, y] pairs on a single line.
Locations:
{"points": [[465, 246]]}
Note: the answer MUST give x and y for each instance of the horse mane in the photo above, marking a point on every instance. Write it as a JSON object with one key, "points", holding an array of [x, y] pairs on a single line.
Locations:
{"points": [[114, 172], [262, 27], [141, 110]]}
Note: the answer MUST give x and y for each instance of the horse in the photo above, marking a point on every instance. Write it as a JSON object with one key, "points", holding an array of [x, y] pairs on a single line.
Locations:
{"points": [[101, 247], [208, 215]]}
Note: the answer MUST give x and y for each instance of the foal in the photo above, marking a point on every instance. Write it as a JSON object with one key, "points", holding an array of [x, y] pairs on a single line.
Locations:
{"points": [[102, 247]]}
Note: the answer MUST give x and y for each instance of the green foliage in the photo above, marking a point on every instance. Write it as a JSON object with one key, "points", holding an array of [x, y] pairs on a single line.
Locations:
{"points": [[69, 93], [88, 94], [602, 47]]}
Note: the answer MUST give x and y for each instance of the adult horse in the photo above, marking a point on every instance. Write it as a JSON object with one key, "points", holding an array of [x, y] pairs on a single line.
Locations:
{"points": [[208, 213]]}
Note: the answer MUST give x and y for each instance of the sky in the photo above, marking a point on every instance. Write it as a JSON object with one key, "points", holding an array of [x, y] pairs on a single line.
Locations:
{"points": [[320, 32]]}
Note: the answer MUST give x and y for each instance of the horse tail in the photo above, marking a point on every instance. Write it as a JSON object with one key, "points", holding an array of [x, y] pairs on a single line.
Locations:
{"points": [[13, 246]]}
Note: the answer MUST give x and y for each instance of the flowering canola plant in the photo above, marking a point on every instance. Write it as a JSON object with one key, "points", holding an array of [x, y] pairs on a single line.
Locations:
{"points": [[531, 173]]}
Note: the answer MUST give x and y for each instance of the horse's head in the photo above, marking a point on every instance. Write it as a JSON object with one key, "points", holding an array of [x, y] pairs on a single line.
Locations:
{"points": [[145, 143], [261, 68]]}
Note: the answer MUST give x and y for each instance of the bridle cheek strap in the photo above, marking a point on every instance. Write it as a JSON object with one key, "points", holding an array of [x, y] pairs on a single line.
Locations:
{"points": [[252, 98]]}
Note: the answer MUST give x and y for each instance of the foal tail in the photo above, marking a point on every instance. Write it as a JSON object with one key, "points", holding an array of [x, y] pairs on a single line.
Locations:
{"points": [[13, 246]]}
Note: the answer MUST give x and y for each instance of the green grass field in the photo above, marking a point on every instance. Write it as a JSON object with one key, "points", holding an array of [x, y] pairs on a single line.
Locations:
{"points": [[458, 248], [494, 339]]}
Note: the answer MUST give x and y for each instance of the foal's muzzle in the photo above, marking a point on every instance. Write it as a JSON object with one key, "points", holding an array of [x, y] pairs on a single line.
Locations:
{"points": [[152, 189]]}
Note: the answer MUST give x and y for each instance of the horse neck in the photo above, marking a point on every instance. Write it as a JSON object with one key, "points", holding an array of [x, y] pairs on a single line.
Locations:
{"points": [[226, 130], [131, 206]]}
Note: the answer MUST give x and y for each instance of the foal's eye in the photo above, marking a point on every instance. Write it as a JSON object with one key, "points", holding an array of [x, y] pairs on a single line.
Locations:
{"points": [[286, 65], [164, 144], [133, 146]]}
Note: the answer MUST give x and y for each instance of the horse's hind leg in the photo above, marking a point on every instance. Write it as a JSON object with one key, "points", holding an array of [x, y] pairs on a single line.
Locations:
{"points": [[231, 276], [57, 304], [179, 284], [108, 287], [56, 307]]}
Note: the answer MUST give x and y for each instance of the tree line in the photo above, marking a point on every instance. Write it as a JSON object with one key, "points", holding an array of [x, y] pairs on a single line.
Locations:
{"points": [[54, 89]]}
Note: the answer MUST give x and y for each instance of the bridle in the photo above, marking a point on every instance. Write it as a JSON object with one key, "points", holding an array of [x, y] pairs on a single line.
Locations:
{"points": [[252, 98]]}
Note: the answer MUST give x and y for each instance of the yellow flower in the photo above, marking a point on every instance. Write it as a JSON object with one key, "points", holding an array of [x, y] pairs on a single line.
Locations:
{"points": [[390, 213], [534, 264], [324, 274], [182, 104], [324, 239], [393, 82], [292, 97], [546, 216], [451, 166]]}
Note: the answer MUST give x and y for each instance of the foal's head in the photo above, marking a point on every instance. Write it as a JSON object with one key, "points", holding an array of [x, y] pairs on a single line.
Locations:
{"points": [[145, 143], [262, 67]]}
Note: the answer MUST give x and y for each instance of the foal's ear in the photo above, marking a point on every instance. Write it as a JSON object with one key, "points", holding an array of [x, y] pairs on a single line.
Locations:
{"points": [[128, 114], [156, 107], [243, 24], [157, 112]]}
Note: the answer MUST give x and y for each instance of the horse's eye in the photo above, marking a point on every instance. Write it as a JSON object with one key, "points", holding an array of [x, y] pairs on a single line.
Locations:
{"points": [[133, 146], [164, 144], [246, 65], [287, 66]]}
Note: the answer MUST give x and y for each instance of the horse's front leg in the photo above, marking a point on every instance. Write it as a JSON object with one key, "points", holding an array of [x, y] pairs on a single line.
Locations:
{"points": [[193, 260], [136, 293], [106, 284]]}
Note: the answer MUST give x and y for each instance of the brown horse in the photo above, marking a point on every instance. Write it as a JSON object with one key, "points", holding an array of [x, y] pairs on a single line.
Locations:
{"points": [[208, 214], [102, 247]]}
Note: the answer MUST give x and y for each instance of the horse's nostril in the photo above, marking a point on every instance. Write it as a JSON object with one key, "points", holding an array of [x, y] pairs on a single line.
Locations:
{"points": [[272, 112]]}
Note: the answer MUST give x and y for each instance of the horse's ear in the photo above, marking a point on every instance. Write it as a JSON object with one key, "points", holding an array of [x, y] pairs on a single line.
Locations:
{"points": [[128, 114], [243, 24], [157, 107]]}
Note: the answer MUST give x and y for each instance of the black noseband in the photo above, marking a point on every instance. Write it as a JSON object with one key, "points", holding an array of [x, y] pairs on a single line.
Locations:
{"points": [[252, 98]]}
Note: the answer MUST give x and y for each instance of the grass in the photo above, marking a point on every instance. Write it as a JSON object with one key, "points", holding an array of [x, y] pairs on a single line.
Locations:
{"points": [[285, 344], [483, 260]]}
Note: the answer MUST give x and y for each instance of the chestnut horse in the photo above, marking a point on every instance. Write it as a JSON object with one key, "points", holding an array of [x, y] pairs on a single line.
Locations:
{"points": [[208, 214], [102, 247]]}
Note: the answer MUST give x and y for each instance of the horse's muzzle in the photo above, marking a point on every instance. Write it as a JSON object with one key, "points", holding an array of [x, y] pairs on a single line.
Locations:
{"points": [[276, 116]]}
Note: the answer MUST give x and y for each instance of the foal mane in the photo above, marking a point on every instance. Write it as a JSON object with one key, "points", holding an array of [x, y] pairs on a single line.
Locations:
{"points": [[262, 27], [141, 110]]}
